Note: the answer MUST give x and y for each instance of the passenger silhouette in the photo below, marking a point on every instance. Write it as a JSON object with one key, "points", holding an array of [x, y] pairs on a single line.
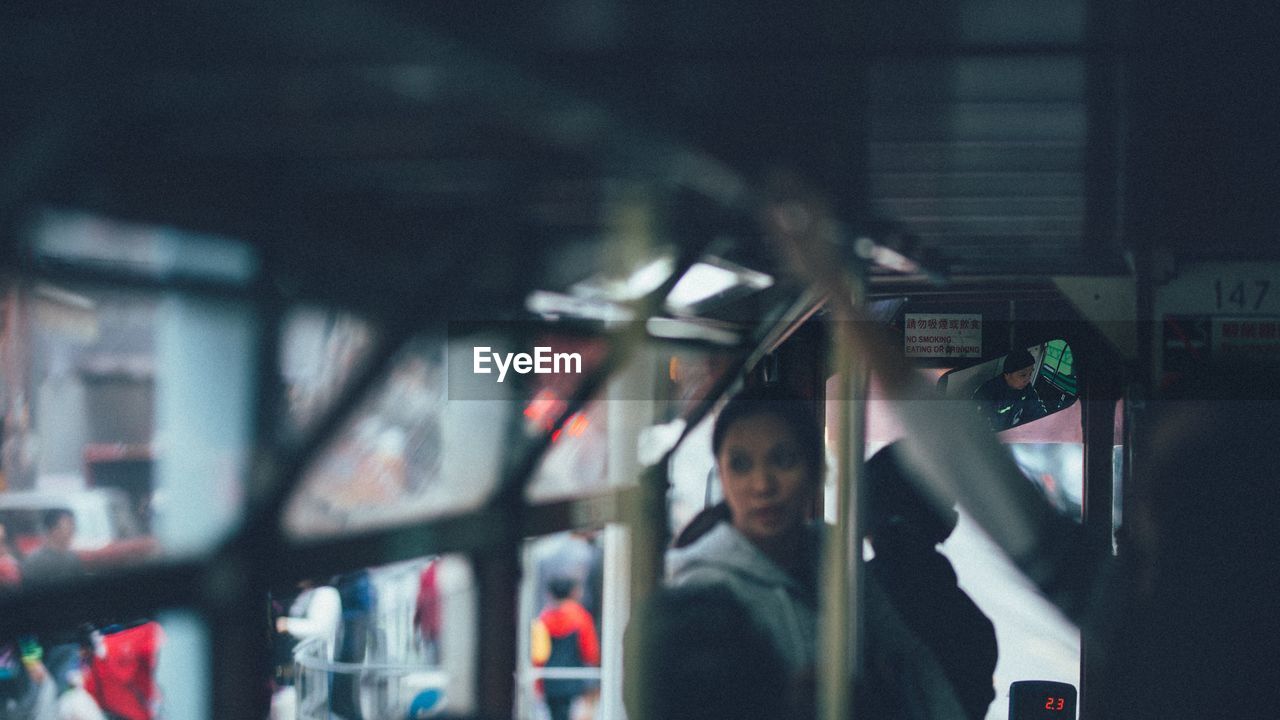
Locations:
{"points": [[1187, 625], [904, 530]]}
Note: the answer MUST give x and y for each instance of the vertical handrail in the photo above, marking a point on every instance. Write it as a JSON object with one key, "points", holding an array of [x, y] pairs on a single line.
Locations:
{"points": [[807, 234], [840, 621]]}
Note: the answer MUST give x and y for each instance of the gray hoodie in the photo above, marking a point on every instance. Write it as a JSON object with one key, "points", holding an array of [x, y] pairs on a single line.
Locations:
{"points": [[782, 609], [776, 601]]}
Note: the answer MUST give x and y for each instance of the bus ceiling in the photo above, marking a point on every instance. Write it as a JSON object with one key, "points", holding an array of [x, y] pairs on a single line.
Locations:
{"points": [[360, 150]]}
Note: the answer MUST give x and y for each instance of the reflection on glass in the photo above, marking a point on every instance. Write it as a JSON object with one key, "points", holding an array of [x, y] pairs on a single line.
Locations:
{"points": [[126, 412], [577, 460], [690, 378], [714, 278], [692, 471], [319, 353], [392, 641], [410, 452]]}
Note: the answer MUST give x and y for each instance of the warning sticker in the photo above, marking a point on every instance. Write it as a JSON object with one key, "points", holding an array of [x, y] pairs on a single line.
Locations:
{"points": [[931, 335], [1245, 337]]}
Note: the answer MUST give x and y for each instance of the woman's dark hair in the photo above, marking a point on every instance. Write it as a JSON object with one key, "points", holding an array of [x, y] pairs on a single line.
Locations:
{"points": [[702, 523], [794, 412]]}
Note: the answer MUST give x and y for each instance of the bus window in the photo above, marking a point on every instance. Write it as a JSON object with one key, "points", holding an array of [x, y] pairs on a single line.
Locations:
{"points": [[131, 407], [396, 640], [694, 484], [692, 471], [416, 448]]}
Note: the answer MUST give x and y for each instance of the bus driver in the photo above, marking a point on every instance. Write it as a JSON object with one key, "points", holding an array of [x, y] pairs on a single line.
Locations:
{"points": [[1009, 398]]}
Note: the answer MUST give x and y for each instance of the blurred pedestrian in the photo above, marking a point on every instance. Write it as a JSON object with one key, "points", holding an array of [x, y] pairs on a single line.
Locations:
{"points": [[427, 610], [564, 636], [359, 601], [575, 554], [314, 614], [27, 692], [120, 667], [54, 558]]}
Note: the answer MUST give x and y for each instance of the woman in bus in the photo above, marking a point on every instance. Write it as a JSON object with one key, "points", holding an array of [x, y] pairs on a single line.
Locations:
{"points": [[761, 545], [769, 453]]}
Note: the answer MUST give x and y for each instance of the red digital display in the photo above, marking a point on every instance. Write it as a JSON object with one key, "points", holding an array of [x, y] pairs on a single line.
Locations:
{"points": [[1041, 700]]}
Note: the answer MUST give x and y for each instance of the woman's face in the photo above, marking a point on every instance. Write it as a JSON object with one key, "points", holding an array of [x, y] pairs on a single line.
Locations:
{"points": [[765, 480]]}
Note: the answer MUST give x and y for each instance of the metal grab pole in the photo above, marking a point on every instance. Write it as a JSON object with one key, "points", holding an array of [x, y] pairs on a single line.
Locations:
{"points": [[840, 621], [805, 232]]}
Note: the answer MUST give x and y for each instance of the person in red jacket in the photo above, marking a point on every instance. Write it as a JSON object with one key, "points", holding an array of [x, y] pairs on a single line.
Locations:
{"points": [[120, 671], [564, 635], [427, 612]]}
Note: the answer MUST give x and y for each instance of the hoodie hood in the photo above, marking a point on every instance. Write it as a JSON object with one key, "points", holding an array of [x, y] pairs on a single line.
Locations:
{"points": [[724, 549], [784, 609]]}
